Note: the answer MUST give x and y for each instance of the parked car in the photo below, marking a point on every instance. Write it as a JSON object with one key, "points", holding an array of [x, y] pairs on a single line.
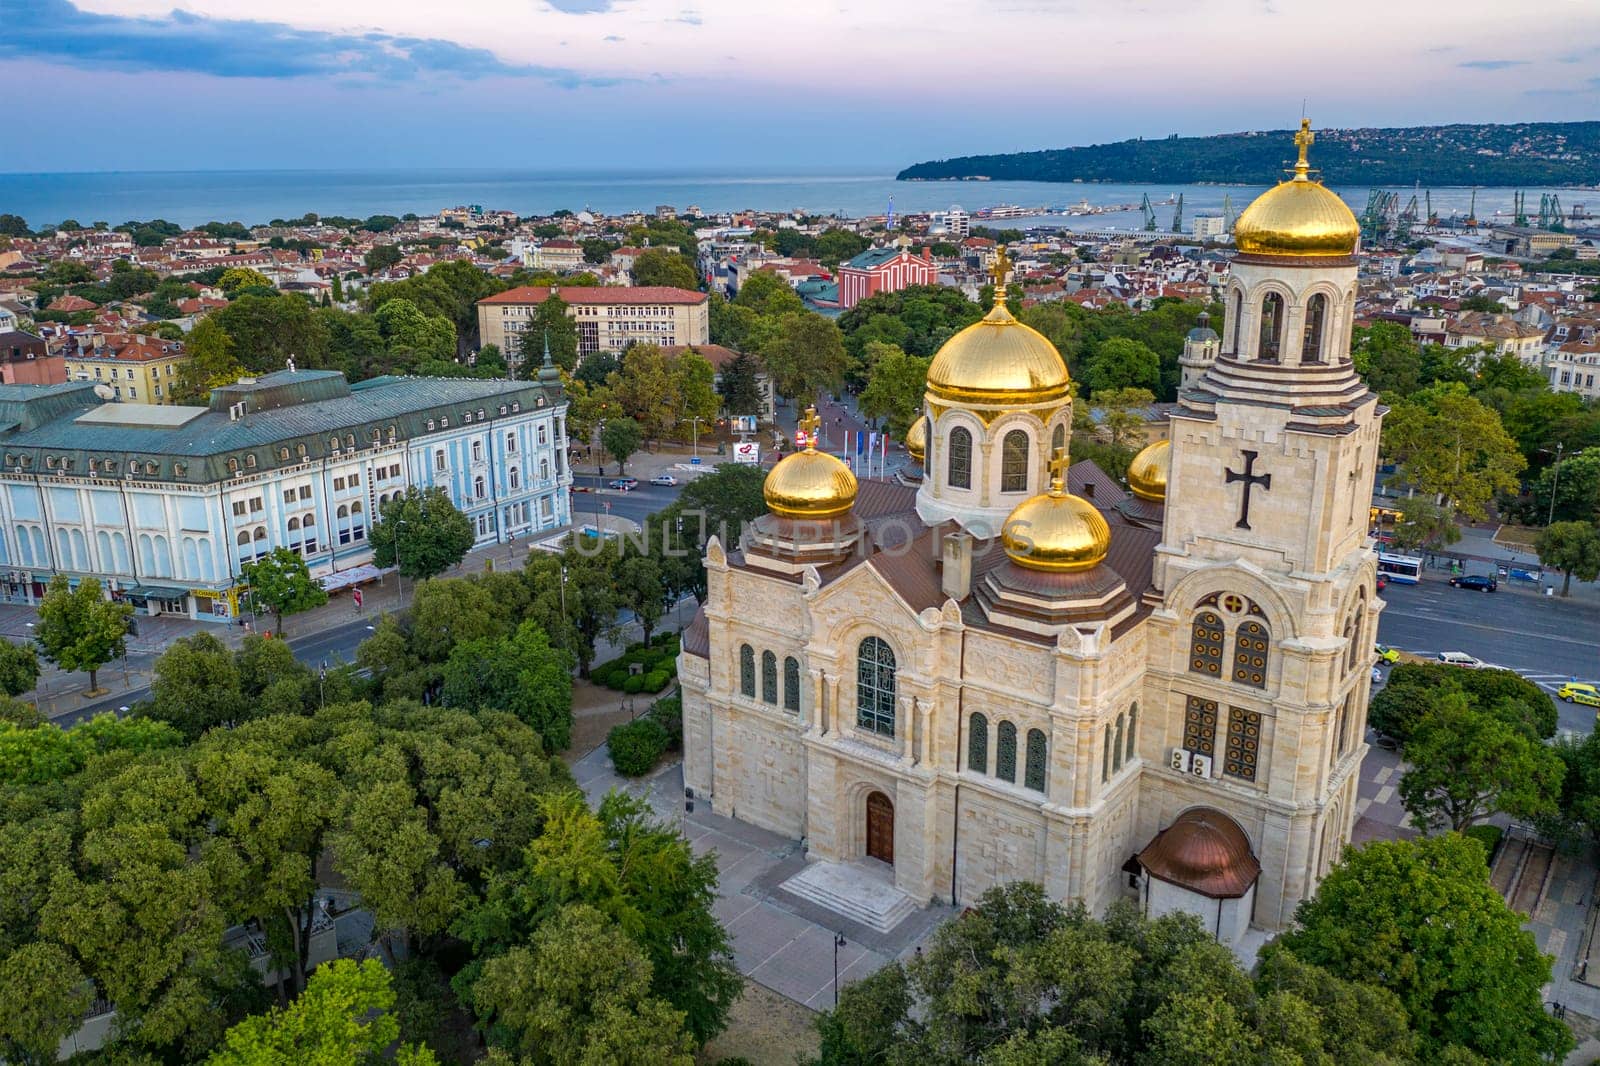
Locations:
{"points": [[1386, 654], [1578, 692], [665, 479], [1476, 582], [623, 484], [1461, 658]]}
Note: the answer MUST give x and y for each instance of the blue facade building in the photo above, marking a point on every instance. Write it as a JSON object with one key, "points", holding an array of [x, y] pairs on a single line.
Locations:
{"points": [[164, 504]]}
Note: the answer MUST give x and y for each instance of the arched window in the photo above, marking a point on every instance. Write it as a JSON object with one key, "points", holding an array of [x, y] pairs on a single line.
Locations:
{"points": [[261, 533], [1205, 644], [344, 512], [960, 476], [1005, 752], [1116, 748], [243, 537], [1235, 319], [1133, 726], [1316, 327], [1271, 327], [1344, 728], [978, 743], [1350, 643], [478, 487], [769, 677], [747, 671], [1033, 772], [875, 687], [1058, 440], [1105, 758], [1014, 462], [791, 683], [1250, 655]]}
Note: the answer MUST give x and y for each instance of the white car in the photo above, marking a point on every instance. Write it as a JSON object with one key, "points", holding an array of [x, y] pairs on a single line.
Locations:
{"points": [[665, 479], [1461, 658]]}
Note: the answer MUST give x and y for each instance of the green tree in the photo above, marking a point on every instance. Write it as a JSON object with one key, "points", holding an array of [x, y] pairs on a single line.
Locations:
{"points": [[1465, 764], [641, 590], [282, 583], [731, 324], [1387, 356], [422, 533], [574, 596], [1121, 363], [621, 437], [209, 364], [834, 246], [43, 999], [195, 687], [1450, 445], [344, 1018], [235, 278], [382, 257], [1575, 486], [805, 356], [1420, 919], [1572, 548], [549, 324], [1424, 524], [895, 386], [79, 629], [660, 267], [412, 337], [739, 384], [19, 668], [768, 295], [595, 369], [268, 330], [1121, 413], [14, 226], [521, 674]]}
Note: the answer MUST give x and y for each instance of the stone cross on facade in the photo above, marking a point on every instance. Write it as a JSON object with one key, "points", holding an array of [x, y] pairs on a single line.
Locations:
{"points": [[1251, 479]]}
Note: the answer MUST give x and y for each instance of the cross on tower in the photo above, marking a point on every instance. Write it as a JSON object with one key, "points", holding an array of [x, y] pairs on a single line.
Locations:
{"points": [[1303, 141], [998, 271], [1251, 479], [1058, 469], [809, 425]]}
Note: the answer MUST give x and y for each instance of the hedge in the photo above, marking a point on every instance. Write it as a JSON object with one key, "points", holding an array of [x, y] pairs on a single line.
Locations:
{"points": [[1487, 835], [636, 746], [668, 713]]}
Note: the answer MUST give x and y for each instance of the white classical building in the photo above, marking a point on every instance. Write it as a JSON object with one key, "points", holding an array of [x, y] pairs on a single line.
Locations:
{"points": [[1160, 694], [164, 504]]}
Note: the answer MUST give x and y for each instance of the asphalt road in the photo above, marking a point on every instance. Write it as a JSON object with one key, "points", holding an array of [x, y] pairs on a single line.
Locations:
{"points": [[1545, 639]]}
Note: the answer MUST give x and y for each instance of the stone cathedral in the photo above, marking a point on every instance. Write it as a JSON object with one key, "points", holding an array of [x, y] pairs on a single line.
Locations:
{"points": [[1011, 668]]}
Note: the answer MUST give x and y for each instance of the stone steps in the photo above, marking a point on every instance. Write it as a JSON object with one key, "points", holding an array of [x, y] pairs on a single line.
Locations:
{"points": [[852, 892]]}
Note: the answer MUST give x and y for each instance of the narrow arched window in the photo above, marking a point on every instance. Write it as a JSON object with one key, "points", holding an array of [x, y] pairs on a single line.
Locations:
{"points": [[1133, 727], [1250, 655], [1271, 327], [1235, 319], [747, 671], [1105, 757], [1005, 752], [769, 677], [791, 683], [1350, 644], [1116, 748], [875, 687], [1034, 771], [978, 744], [1014, 462], [1316, 327], [1058, 440], [960, 469], [1205, 644]]}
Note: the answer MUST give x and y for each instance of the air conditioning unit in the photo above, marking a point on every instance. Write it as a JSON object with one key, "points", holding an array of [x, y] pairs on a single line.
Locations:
{"points": [[1179, 760], [1201, 766]]}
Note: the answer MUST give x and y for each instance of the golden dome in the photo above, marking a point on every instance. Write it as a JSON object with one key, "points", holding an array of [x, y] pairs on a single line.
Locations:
{"points": [[998, 360], [809, 484], [917, 438], [1056, 532], [1147, 474], [1299, 217]]}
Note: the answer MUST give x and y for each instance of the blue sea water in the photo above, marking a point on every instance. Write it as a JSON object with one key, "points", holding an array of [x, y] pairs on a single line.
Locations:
{"points": [[254, 197]]}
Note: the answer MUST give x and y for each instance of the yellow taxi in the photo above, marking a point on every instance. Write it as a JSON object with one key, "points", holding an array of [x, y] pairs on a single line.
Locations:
{"points": [[1578, 692]]}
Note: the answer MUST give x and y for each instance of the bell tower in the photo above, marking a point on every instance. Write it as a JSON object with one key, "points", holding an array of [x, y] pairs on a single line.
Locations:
{"points": [[1199, 352]]}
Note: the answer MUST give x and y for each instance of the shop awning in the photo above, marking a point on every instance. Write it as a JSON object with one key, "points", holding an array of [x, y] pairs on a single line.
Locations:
{"points": [[155, 592], [356, 575]]}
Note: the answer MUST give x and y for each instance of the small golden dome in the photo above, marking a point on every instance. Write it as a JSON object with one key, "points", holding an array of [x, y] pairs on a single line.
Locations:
{"points": [[1299, 217], [809, 484], [1056, 532], [998, 360], [917, 438], [1147, 474]]}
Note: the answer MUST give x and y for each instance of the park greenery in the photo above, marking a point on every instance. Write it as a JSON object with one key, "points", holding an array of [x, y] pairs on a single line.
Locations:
{"points": [[281, 583], [79, 628], [421, 533]]}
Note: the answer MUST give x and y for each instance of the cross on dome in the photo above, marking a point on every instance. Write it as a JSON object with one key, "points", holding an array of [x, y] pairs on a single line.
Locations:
{"points": [[998, 271], [1058, 470], [809, 425], [1303, 141]]}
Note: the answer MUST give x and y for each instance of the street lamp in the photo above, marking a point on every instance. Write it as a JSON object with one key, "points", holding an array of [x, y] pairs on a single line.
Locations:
{"points": [[694, 445], [838, 942], [563, 594], [1555, 483], [399, 570]]}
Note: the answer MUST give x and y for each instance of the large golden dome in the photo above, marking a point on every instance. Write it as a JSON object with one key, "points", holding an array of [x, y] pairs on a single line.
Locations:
{"points": [[1056, 532], [1299, 217], [809, 484], [917, 438], [998, 360], [1147, 474]]}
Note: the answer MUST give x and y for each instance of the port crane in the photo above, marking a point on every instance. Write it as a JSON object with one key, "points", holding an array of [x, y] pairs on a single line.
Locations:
{"points": [[1177, 215], [1149, 214]]}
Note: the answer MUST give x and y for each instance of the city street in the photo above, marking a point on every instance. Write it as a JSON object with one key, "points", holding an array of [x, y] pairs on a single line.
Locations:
{"points": [[1548, 640]]}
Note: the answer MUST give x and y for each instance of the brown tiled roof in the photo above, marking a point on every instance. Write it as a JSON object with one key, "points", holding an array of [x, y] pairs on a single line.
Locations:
{"points": [[1204, 851], [1086, 479], [697, 635], [599, 294], [715, 354]]}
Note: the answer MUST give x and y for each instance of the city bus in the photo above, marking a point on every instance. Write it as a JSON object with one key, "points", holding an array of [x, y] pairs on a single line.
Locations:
{"points": [[1404, 569]]}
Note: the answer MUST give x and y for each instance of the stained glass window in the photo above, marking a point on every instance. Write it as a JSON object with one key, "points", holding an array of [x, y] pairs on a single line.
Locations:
{"points": [[1005, 752], [960, 458], [1034, 771], [747, 671], [1205, 644], [1244, 743], [791, 683], [1250, 655], [978, 744], [875, 687], [1200, 726], [1014, 462], [769, 677]]}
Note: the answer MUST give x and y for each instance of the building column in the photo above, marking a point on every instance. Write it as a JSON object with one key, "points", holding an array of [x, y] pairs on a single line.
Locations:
{"points": [[817, 719], [905, 713]]}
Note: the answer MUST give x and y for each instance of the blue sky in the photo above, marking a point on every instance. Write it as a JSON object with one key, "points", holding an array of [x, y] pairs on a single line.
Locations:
{"points": [[749, 84]]}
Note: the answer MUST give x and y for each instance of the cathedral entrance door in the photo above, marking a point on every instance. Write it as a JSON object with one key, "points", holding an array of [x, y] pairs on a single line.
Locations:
{"points": [[880, 828]]}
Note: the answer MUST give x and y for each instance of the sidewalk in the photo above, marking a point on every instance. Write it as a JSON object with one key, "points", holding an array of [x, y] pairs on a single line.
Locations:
{"points": [[1479, 548]]}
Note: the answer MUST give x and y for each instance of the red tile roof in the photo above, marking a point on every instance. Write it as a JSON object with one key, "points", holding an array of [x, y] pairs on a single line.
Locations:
{"points": [[608, 294]]}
